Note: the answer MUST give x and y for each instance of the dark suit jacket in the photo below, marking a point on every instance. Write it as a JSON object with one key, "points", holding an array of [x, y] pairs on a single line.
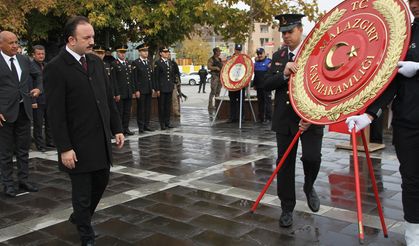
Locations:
{"points": [[11, 92], [122, 79], [81, 110], [164, 76], [41, 99], [284, 119], [142, 76]]}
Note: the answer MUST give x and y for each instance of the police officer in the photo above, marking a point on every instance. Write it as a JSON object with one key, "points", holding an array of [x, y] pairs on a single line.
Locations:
{"points": [[124, 87], [235, 95], [165, 78], [262, 64], [143, 79], [285, 123], [202, 78], [404, 91]]}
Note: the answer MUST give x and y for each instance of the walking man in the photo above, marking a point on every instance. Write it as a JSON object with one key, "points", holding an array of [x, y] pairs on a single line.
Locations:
{"points": [[83, 116]]}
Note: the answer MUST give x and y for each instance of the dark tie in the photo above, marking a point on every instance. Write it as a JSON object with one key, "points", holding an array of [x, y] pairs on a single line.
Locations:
{"points": [[291, 56], [14, 70], [83, 63], [145, 62], [167, 63]]}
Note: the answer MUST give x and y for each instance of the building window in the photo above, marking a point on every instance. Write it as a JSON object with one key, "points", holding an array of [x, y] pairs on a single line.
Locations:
{"points": [[263, 41], [264, 28]]}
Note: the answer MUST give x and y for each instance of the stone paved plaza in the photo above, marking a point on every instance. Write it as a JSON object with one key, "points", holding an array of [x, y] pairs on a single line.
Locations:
{"points": [[195, 184]]}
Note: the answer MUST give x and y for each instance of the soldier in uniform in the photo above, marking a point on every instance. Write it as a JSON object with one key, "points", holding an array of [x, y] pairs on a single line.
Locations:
{"points": [[100, 51], [165, 78], [108, 58], [404, 91], [123, 86], [286, 123], [143, 79], [214, 65]]}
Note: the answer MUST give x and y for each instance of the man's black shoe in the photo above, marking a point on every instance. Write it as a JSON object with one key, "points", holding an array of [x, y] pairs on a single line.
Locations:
{"points": [[169, 126], [140, 131], [88, 243], [28, 187], [313, 200], [128, 132], [163, 128], [10, 191], [286, 219], [148, 129]]}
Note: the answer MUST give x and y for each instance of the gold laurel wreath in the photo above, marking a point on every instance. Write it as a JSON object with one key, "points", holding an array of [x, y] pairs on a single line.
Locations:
{"points": [[395, 18], [225, 73]]}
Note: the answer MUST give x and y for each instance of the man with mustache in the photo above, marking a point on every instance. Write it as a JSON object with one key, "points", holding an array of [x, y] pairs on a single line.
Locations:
{"points": [[83, 116]]}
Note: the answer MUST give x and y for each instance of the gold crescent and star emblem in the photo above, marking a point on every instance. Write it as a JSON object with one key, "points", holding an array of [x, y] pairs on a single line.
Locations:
{"points": [[328, 59]]}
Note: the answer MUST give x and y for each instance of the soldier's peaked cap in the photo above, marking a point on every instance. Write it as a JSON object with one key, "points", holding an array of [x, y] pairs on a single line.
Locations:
{"points": [[288, 21]]}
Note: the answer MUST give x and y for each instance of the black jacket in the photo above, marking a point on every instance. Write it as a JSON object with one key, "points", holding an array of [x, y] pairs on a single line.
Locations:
{"points": [[284, 119], [142, 76], [404, 91], [203, 74], [122, 79], [11, 91], [81, 109], [164, 76], [41, 99]]}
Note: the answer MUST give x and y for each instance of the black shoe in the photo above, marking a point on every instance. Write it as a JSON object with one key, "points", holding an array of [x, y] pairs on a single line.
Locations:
{"points": [[169, 126], [313, 200], [204, 92], [140, 131], [10, 191], [88, 243], [28, 187], [148, 129], [286, 219], [163, 128], [128, 132], [71, 219]]}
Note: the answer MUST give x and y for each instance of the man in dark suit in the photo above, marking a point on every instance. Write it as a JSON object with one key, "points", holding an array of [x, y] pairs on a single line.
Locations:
{"points": [[40, 118], [165, 78], [15, 112], [143, 79], [124, 87], [83, 116], [285, 123]]}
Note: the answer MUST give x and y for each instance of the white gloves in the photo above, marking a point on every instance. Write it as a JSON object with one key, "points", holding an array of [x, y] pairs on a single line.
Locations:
{"points": [[358, 121], [408, 68]]}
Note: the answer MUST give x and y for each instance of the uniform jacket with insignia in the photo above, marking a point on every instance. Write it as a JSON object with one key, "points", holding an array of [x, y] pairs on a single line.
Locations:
{"points": [[142, 76], [122, 79], [284, 119], [164, 76]]}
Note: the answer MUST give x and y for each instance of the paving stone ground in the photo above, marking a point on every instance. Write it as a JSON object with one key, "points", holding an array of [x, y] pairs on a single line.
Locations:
{"points": [[195, 184]]}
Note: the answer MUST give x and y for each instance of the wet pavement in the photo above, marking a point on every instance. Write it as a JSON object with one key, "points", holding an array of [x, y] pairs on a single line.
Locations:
{"points": [[194, 185]]}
